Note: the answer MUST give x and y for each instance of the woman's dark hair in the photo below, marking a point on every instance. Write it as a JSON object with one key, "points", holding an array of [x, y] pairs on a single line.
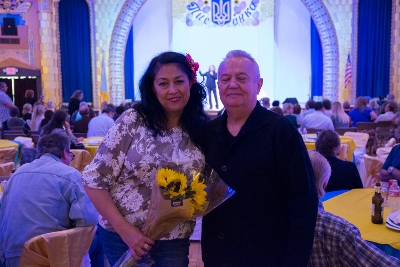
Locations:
{"points": [[193, 118], [77, 94], [57, 121], [327, 104], [296, 109], [326, 143], [48, 114]]}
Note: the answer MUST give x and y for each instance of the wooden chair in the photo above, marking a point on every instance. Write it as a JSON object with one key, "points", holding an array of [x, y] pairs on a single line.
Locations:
{"points": [[342, 130], [369, 128], [313, 130], [373, 166], [11, 135], [35, 138], [15, 128], [384, 132], [30, 133]]}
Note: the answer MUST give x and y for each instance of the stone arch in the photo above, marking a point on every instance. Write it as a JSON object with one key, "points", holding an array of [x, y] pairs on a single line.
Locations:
{"points": [[318, 11], [330, 47], [119, 38]]}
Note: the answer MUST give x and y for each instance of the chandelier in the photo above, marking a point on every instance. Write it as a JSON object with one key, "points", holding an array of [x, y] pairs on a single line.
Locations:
{"points": [[9, 5]]}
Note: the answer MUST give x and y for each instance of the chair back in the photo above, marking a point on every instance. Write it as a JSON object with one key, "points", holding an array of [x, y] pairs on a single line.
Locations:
{"points": [[81, 160], [6, 169], [35, 138], [360, 139], [391, 142], [383, 152], [15, 128], [342, 130], [11, 135], [373, 167], [7, 154], [30, 132], [344, 149], [63, 248], [313, 130]]}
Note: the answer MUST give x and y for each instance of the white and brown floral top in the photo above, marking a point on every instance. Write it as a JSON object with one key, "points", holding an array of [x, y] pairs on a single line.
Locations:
{"points": [[127, 161]]}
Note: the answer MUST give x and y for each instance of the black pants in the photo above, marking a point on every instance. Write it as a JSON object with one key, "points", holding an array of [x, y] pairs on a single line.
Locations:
{"points": [[209, 90]]}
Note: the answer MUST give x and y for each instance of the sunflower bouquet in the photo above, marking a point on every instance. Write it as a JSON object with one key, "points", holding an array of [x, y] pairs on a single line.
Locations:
{"points": [[177, 198]]}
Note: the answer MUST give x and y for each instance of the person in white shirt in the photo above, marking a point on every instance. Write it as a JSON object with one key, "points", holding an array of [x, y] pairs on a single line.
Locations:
{"points": [[317, 120], [388, 115], [99, 126], [310, 106]]}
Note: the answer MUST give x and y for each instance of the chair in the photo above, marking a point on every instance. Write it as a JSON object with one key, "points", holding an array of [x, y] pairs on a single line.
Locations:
{"points": [[15, 128], [313, 130], [342, 130], [6, 169], [373, 167], [11, 135], [81, 160], [384, 132], [8, 154], [360, 139], [391, 142], [63, 248], [369, 128], [344, 149], [35, 138], [30, 132], [383, 152], [84, 135]]}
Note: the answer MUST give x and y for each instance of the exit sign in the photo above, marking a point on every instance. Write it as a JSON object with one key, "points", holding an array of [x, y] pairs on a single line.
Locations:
{"points": [[11, 71]]}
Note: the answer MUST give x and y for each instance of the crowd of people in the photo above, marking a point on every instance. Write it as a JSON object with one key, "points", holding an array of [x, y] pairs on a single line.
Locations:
{"points": [[274, 218]]}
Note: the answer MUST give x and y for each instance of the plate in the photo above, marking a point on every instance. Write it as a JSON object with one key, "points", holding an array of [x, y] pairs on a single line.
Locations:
{"points": [[392, 227]]}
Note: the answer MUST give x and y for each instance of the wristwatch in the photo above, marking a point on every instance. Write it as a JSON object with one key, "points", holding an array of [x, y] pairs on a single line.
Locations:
{"points": [[390, 169]]}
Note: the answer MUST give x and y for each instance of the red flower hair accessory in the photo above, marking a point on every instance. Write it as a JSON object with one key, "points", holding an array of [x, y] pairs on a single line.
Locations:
{"points": [[194, 66]]}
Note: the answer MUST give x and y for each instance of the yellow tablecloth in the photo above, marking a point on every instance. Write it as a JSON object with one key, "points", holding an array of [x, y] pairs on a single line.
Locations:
{"points": [[90, 146], [343, 140], [6, 144], [354, 206]]}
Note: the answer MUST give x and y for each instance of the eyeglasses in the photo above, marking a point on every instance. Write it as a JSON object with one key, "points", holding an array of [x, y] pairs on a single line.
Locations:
{"points": [[72, 155]]}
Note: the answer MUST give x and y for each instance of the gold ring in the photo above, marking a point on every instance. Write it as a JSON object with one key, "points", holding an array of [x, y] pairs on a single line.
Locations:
{"points": [[146, 246]]}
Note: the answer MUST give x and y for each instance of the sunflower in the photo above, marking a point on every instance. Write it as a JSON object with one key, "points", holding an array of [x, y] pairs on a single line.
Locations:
{"points": [[198, 195], [174, 183]]}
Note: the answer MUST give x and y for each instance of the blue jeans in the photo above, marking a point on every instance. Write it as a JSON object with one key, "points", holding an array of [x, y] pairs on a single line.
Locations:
{"points": [[165, 253]]}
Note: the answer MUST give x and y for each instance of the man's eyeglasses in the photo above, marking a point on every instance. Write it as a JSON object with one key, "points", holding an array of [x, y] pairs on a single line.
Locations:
{"points": [[72, 155]]}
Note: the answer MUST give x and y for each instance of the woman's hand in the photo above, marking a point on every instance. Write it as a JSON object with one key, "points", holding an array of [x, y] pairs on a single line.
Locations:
{"points": [[67, 127], [138, 243], [79, 139]]}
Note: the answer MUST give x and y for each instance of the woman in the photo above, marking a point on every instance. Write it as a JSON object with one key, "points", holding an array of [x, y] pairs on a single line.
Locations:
{"points": [[339, 117], [361, 113], [373, 104], [48, 114], [165, 127], [210, 84], [27, 112], [346, 107], [30, 97], [59, 122], [287, 110], [74, 101], [344, 175], [37, 117], [297, 114]]}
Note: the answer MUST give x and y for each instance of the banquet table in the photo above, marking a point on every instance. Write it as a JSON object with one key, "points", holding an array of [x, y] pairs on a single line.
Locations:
{"points": [[354, 206], [343, 140], [7, 143], [92, 144]]}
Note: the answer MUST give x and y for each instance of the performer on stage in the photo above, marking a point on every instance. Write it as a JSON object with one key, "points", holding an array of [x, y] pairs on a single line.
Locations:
{"points": [[210, 84]]}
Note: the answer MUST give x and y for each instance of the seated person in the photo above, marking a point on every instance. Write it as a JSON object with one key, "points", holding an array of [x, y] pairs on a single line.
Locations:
{"points": [[317, 119], [100, 125], [336, 241], [43, 196], [344, 175], [27, 112], [82, 125], [48, 114], [391, 167], [388, 115], [16, 121]]}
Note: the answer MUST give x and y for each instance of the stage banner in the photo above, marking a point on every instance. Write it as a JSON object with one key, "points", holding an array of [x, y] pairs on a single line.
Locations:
{"points": [[209, 29]]}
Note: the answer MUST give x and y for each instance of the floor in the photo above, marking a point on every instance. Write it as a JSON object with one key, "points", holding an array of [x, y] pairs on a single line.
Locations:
{"points": [[195, 254]]}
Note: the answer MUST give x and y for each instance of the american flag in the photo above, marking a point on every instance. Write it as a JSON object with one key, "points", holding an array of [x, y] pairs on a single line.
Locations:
{"points": [[347, 73]]}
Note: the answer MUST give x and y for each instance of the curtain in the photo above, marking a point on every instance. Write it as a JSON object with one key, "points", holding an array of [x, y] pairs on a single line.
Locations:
{"points": [[75, 49], [316, 62], [128, 67], [374, 28]]}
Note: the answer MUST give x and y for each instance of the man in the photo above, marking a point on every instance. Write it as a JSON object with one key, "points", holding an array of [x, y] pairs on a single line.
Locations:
{"points": [[326, 103], [389, 113], [82, 125], [317, 120], [336, 241], [42, 197], [389, 99], [310, 106], [265, 102], [271, 218], [99, 126], [5, 104]]}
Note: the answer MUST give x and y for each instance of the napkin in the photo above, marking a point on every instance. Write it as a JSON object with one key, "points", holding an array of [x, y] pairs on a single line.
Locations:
{"points": [[395, 217]]}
